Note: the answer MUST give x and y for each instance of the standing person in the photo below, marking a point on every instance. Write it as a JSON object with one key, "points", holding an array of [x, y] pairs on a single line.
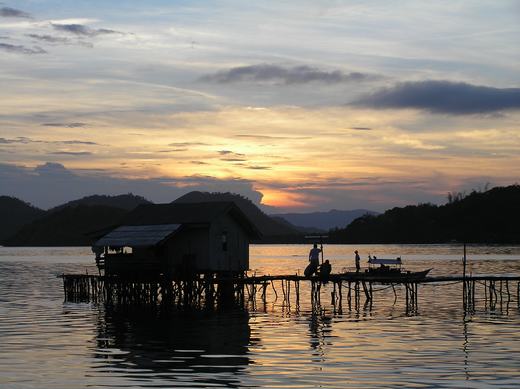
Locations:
{"points": [[314, 261], [358, 267]]}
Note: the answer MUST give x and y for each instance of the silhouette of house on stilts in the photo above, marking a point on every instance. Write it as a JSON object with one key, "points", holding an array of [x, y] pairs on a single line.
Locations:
{"points": [[176, 240]]}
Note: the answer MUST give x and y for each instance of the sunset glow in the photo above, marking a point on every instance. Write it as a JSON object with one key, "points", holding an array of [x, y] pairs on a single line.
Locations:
{"points": [[256, 103]]}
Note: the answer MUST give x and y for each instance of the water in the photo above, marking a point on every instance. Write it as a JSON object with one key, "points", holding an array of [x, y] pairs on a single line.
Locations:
{"points": [[46, 343]]}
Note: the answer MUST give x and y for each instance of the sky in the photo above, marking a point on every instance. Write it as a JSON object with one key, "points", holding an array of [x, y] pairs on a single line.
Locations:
{"points": [[298, 105]]}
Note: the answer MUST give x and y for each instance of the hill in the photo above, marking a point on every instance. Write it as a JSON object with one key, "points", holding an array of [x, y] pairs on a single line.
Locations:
{"points": [[125, 201], [70, 226], [273, 231], [15, 213], [323, 221], [481, 217]]}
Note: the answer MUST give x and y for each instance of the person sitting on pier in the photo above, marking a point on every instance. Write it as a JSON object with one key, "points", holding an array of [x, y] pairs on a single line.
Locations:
{"points": [[314, 261], [325, 270]]}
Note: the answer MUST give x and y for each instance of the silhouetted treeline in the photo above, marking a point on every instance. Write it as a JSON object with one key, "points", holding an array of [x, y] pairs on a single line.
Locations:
{"points": [[14, 214], [72, 224], [490, 216]]}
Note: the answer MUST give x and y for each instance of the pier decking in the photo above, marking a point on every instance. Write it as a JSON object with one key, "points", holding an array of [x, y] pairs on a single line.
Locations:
{"points": [[347, 289]]}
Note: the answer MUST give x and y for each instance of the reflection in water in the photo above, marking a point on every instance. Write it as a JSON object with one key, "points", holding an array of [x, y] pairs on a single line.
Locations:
{"points": [[465, 346], [174, 348], [320, 327]]}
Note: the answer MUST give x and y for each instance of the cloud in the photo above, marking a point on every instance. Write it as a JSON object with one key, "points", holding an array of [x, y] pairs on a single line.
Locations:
{"points": [[51, 184], [7, 12], [76, 142], [230, 156], [173, 150], [287, 75], [270, 137], [233, 159], [48, 38], [20, 139], [71, 153], [361, 128], [444, 97], [25, 140], [82, 30], [52, 169], [255, 167], [67, 125], [187, 144], [51, 39], [21, 49]]}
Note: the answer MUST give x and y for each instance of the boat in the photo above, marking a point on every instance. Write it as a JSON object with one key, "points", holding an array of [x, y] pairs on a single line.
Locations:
{"points": [[392, 268]]}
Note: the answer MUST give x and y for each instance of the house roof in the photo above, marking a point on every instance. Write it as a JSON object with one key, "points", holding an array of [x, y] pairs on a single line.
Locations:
{"points": [[137, 236], [189, 213]]}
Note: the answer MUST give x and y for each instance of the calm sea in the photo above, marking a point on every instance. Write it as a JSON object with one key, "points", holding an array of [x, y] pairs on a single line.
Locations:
{"points": [[47, 343]]}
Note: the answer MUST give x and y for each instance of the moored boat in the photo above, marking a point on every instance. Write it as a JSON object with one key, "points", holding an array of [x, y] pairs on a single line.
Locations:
{"points": [[392, 268]]}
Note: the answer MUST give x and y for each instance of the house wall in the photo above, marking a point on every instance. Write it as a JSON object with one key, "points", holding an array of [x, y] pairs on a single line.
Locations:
{"points": [[236, 255], [140, 263], [188, 249]]}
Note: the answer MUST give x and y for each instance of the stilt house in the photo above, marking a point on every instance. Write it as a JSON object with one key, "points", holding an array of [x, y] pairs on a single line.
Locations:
{"points": [[174, 239]]}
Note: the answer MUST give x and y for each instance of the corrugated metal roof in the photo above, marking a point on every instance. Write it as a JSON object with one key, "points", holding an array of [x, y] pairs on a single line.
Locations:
{"points": [[137, 236]]}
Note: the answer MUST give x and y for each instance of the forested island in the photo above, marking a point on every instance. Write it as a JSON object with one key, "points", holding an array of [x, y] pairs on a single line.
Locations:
{"points": [[489, 216]]}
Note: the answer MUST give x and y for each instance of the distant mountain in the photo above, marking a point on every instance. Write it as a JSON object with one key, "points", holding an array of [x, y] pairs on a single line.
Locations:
{"points": [[125, 201], [302, 230], [271, 229], [15, 213], [323, 221], [69, 226], [480, 217]]}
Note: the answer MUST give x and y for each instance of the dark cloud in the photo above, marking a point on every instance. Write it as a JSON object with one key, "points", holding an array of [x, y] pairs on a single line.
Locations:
{"points": [[361, 128], [67, 125], [71, 153], [230, 156], [25, 140], [199, 162], [444, 97], [7, 12], [269, 137], [233, 159], [76, 142], [187, 144], [286, 75], [54, 40], [51, 184], [20, 139], [48, 38], [52, 169], [19, 49], [254, 167], [173, 150], [82, 30]]}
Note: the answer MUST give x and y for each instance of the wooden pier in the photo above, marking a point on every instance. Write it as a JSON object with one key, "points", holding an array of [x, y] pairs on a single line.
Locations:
{"points": [[346, 290]]}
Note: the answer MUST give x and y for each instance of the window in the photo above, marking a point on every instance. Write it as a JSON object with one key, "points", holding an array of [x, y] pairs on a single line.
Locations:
{"points": [[224, 241]]}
